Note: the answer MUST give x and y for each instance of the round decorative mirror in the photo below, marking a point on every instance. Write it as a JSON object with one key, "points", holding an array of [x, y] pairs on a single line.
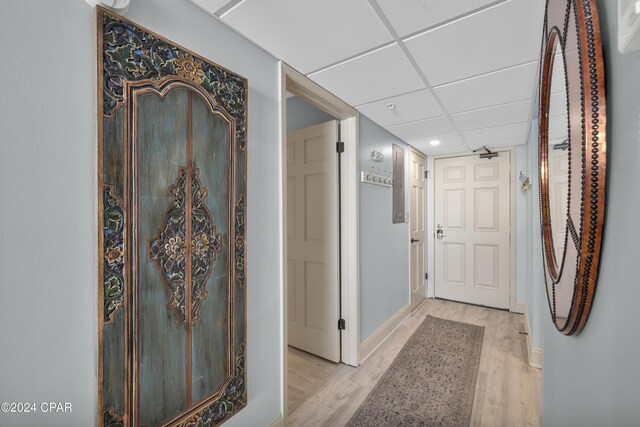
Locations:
{"points": [[572, 159]]}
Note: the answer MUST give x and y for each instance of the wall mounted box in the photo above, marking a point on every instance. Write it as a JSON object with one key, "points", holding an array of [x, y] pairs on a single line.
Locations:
{"points": [[398, 184]]}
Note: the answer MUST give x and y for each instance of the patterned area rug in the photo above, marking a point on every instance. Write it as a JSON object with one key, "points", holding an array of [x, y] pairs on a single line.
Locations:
{"points": [[431, 382]]}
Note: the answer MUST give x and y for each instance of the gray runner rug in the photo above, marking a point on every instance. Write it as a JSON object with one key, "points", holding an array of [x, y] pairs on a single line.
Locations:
{"points": [[431, 382]]}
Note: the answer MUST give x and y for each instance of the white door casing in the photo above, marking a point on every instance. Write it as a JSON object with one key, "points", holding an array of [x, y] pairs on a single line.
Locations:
{"points": [[472, 230], [312, 232], [417, 226]]}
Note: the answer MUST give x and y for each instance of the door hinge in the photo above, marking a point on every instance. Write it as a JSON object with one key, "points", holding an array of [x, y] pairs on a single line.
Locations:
{"points": [[426, 174], [342, 325], [426, 276], [340, 147]]}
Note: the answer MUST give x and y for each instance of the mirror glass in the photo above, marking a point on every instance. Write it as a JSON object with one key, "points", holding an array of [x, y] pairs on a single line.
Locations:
{"points": [[571, 159], [558, 156]]}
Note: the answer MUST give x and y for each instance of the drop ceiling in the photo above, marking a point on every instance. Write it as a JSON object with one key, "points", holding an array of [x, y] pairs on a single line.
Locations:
{"points": [[458, 71]]}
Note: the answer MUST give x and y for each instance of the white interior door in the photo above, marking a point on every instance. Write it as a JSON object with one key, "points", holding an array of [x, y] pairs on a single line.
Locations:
{"points": [[472, 219], [417, 226], [312, 233], [559, 181]]}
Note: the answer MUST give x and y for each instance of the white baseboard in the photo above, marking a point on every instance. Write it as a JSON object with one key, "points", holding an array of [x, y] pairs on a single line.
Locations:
{"points": [[520, 307], [278, 422], [430, 292], [535, 358], [535, 354], [372, 343]]}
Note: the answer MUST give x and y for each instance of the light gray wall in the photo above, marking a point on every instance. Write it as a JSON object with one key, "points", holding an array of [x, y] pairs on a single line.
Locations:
{"points": [[47, 210], [520, 226], [48, 203], [592, 379], [301, 114], [537, 305], [384, 246]]}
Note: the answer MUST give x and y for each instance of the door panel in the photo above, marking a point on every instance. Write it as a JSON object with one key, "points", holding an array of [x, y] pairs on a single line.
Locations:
{"points": [[472, 206], [317, 296], [182, 275], [486, 213], [486, 263], [162, 339], [417, 227], [312, 225], [454, 261], [454, 209], [211, 157]]}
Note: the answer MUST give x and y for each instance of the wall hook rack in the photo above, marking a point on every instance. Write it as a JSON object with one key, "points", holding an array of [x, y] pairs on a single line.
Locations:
{"points": [[382, 178]]}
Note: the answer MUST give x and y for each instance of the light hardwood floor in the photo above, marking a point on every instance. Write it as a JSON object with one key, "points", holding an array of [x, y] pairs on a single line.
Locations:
{"points": [[508, 391], [307, 373]]}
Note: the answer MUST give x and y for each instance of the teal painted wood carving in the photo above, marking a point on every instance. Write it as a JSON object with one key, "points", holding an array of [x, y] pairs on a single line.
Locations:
{"points": [[172, 156], [171, 249], [113, 252]]}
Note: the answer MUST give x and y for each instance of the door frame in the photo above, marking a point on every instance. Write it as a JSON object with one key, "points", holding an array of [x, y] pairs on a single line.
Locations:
{"points": [[296, 83], [511, 152], [426, 225]]}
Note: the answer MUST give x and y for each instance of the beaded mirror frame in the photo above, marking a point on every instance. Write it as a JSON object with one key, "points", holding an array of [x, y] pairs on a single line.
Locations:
{"points": [[571, 28], [171, 247]]}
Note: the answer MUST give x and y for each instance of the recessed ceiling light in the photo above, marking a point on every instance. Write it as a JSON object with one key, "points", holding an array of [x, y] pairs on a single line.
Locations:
{"points": [[391, 106], [435, 142]]}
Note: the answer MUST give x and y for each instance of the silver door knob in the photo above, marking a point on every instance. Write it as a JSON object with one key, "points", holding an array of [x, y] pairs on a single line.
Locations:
{"points": [[440, 233]]}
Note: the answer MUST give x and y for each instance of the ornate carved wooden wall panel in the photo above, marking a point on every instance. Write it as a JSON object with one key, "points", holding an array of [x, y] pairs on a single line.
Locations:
{"points": [[172, 160]]}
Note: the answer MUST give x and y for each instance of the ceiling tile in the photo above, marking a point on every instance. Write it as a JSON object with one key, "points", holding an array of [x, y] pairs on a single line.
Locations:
{"points": [[450, 143], [309, 34], [410, 16], [505, 114], [408, 108], [422, 128], [500, 87], [438, 151], [501, 36], [377, 75], [510, 142], [211, 6], [489, 135]]}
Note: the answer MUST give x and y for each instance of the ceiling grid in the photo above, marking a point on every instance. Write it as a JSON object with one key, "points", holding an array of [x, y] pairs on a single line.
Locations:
{"points": [[393, 32], [462, 71]]}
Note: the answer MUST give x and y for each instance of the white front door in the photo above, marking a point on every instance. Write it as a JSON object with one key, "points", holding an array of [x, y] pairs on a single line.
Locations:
{"points": [[417, 226], [472, 219], [312, 233]]}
